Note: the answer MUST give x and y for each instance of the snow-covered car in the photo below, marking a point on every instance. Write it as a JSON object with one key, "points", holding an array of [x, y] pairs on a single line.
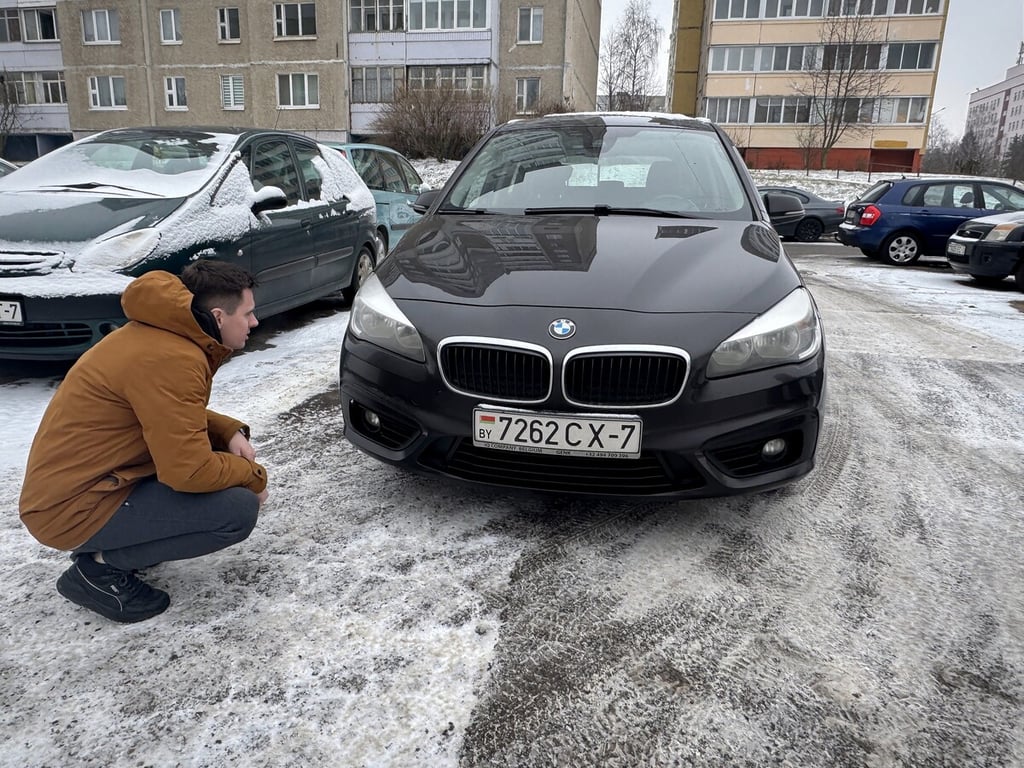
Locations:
{"points": [[393, 182], [593, 304], [989, 249], [96, 213]]}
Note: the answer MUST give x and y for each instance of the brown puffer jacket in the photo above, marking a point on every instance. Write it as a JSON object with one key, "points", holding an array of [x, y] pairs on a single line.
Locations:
{"points": [[133, 406]]}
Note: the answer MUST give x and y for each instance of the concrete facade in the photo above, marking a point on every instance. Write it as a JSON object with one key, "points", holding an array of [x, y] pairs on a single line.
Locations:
{"points": [[725, 65], [996, 114]]}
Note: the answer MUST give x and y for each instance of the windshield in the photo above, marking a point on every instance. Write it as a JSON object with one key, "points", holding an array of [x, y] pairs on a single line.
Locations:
{"points": [[162, 165], [680, 171]]}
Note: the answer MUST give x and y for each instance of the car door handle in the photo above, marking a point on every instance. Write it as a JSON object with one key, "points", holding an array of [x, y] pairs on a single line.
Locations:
{"points": [[306, 223]]}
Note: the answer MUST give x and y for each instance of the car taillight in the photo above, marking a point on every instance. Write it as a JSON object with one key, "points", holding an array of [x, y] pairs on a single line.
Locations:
{"points": [[869, 216]]}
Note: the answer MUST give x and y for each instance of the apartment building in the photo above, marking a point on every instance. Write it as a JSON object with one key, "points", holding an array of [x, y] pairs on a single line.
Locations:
{"points": [[996, 114], [746, 64], [32, 75], [324, 68]]}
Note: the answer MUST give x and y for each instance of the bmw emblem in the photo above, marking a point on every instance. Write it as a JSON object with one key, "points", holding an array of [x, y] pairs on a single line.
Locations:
{"points": [[562, 328]]}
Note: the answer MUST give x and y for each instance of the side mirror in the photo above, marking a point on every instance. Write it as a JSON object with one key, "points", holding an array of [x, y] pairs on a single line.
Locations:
{"points": [[423, 188], [783, 209], [425, 200], [268, 199]]}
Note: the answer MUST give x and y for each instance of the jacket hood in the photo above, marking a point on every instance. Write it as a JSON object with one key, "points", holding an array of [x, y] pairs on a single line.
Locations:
{"points": [[161, 300], [633, 263]]}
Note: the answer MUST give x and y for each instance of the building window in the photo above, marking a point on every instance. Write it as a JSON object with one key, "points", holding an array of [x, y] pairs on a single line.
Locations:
{"points": [[174, 93], [447, 14], [10, 25], [857, 56], [170, 26], [858, 7], [377, 15], [727, 110], [298, 91], [39, 25], [915, 7], [471, 79], [295, 19], [38, 87], [531, 25], [782, 109], [912, 109], [733, 58], [375, 84], [232, 92], [737, 9], [791, 8], [228, 29], [107, 93], [101, 26], [527, 94], [910, 56]]}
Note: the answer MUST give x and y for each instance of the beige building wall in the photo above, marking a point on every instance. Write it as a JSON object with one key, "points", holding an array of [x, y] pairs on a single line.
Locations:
{"points": [[692, 82], [144, 61]]}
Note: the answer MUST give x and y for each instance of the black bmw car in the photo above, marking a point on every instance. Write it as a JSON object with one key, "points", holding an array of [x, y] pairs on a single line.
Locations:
{"points": [[78, 224], [989, 249], [594, 304]]}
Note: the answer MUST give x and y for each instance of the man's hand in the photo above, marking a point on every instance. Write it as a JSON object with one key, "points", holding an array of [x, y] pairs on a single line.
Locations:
{"points": [[240, 446]]}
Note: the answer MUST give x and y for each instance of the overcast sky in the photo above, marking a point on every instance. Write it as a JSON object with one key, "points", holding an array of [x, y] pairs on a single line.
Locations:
{"points": [[983, 38]]}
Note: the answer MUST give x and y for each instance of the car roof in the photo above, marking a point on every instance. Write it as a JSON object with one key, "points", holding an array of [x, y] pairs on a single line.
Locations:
{"points": [[359, 145], [609, 118], [212, 130]]}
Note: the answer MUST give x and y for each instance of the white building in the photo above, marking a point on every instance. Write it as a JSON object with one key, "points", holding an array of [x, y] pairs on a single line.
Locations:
{"points": [[996, 113]]}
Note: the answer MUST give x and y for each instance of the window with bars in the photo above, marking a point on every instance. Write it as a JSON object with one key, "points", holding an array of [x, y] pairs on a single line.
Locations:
{"points": [[910, 56], [38, 87], [298, 91], [107, 93], [375, 84], [232, 92], [295, 19], [472, 79], [170, 26], [527, 94], [174, 94], [447, 14], [377, 15], [39, 25], [531, 25], [228, 28], [727, 110], [101, 26]]}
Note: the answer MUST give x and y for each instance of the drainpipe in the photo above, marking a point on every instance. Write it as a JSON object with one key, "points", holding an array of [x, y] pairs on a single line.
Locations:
{"points": [[147, 58]]}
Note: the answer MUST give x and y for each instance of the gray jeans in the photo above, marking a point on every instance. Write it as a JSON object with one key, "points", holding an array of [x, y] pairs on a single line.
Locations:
{"points": [[157, 523]]}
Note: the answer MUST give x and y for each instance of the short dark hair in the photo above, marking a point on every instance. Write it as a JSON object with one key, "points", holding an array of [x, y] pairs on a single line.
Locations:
{"points": [[217, 283]]}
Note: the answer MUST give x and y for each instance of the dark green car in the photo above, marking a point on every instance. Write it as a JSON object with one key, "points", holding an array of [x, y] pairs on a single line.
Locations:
{"points": [[94, 214]]}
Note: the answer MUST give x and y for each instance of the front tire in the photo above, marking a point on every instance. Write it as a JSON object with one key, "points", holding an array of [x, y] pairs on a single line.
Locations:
{"points": [[901, 249], [808, 230], [365, 263]]}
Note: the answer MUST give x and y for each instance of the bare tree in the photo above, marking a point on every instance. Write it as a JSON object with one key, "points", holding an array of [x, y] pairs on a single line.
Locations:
{"points": [[940, 154], [629, 56], [844, 81], [975, 156], [9, 117], [441, 121]]}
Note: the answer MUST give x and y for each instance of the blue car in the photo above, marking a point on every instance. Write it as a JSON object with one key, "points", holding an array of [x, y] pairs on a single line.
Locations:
{"points": [[394, 184], [900, 220]]}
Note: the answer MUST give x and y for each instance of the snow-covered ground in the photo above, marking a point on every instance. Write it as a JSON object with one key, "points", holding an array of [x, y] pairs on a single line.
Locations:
{"points": [[871, 615]]}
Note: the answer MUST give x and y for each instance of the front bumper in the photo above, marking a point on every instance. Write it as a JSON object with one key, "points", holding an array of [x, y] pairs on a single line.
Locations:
{"points": [[983, 258], [58, 328], [705, 444]]}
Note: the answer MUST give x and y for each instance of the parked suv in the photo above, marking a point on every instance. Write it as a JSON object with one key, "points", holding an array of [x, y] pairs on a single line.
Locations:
{"points": [[900, 220]]}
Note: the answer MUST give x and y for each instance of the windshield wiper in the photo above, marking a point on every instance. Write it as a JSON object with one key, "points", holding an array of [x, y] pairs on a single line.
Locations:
{"points": [[95, 185], [611, 210], [470, 211]]}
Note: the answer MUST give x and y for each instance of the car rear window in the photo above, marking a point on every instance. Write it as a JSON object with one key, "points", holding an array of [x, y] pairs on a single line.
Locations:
{"points": [[874, 194]]}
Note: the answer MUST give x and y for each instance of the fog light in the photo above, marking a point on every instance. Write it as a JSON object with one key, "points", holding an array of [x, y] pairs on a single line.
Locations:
{"points": [[773, 449], [372, 421]]}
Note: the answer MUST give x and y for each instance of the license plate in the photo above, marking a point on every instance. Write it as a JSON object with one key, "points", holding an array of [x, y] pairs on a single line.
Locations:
{"points": [[956, 248], [10, 312], [555, 433]]}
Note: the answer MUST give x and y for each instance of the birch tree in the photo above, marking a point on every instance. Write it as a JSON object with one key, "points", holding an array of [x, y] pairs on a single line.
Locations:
{"points": [[629, 58]]}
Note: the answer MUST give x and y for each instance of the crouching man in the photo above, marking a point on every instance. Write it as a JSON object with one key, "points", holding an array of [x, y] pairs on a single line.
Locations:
{"points": [[129, 468]]}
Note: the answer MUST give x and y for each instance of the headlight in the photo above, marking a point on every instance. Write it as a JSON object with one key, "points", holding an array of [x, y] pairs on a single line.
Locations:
{"points": [[1000, 232], [786, 333], [120, 251], [377, 319]]}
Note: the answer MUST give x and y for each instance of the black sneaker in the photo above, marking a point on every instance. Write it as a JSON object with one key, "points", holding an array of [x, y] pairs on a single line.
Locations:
{"points": [[118, 595]]}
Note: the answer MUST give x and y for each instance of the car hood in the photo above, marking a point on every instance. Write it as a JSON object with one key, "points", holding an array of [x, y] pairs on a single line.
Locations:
{"points": [[68, 217], [634, 263]]}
